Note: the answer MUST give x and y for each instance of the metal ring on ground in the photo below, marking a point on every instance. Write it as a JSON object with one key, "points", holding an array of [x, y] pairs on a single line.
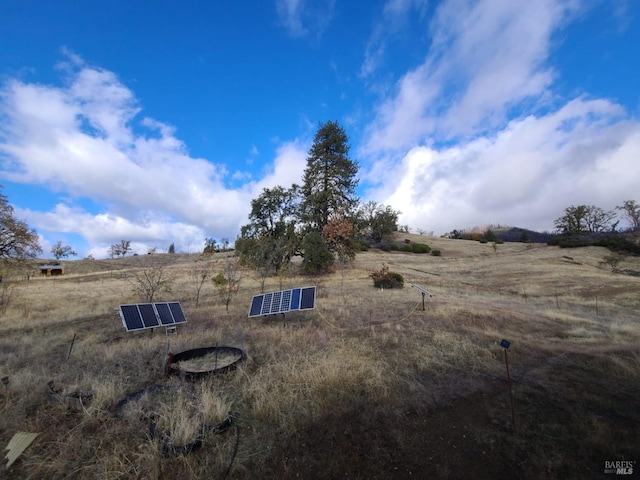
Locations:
{"points": [[201, 362]]}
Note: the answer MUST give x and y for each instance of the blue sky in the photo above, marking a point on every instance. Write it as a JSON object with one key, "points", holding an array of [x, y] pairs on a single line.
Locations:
{"points": [[158, 122]]}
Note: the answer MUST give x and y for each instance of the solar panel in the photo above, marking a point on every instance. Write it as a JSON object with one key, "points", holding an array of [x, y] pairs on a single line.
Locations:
{"points": [[266, 304], [148, 314], [295, 299], [166, 318], [140, 316], [286, 299], [256, 305], [275, 302], [131, 317], [308, 298], [422, 290], [176, 311], [283, 301]]}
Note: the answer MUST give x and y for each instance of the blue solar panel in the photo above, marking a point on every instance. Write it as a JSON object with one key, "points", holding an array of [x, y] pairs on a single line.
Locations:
{"points": [[283, 301], [266, 304], [131, 317], [148, 314], [275, 302], [286, 300], [164, 313], [151, 315], [176, 311], [295, 299], [308, 298], [256, 306]]}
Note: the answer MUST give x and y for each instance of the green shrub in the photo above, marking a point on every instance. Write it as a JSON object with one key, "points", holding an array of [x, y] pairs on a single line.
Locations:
{"points": [[384, 278], [436, 253], [317, 257], [416, 248], [362, 246], [615, 243]]}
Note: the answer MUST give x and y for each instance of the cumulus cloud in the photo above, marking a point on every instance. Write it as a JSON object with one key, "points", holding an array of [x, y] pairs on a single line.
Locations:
{"points": [[526, 174], [287, 169], [84, 139], [476, 134], [104, 229]]}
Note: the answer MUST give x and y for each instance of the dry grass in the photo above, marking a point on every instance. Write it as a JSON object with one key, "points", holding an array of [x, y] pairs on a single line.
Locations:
{"points": [[368, 385]]}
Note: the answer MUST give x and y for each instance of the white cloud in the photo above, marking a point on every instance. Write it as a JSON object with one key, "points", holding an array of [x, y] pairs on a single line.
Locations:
{"points": [[84, 140], [288, 168], [105, 229], [394, 17], [526, 174], [486, 56], [290, 14], [301, 18], [476, 133]]}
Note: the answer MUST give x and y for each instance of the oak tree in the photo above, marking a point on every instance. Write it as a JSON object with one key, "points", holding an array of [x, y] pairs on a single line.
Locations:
{"points": [[62, 251], [270, 240], [631, 211], [17, 240], [583, 219]]}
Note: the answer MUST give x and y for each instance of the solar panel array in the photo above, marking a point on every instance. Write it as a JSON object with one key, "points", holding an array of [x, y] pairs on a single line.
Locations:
{"points": [[283, 301], [140, 316], [422, 290]]}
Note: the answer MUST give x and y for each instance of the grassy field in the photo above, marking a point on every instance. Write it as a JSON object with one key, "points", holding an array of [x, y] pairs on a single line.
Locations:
{"points": [[366, 386]]}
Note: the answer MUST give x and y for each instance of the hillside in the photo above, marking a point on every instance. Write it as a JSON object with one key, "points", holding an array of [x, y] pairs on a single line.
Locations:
{"points": [[366, 385]]}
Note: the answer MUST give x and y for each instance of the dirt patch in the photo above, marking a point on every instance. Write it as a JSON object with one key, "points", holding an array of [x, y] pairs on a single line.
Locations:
{"points": [[472, 437], [372, 443]]}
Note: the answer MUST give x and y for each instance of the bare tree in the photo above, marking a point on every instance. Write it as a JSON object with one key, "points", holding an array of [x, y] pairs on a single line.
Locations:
{"points": [[62, 251], [597, 219], [125, 247], [6, 295], [120, 249], [228, 281], [631, 211], [199, 276], [150, 280]]}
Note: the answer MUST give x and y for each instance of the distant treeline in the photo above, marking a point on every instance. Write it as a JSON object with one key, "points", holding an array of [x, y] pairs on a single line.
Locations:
{"points": [[579, 226]]}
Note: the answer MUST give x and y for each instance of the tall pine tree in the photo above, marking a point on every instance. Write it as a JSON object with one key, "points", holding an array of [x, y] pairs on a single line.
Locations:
{"points": [[329, 180]]}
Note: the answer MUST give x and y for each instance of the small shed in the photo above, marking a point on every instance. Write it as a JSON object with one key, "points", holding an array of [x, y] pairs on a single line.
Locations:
{"points": [[52, 270]]}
